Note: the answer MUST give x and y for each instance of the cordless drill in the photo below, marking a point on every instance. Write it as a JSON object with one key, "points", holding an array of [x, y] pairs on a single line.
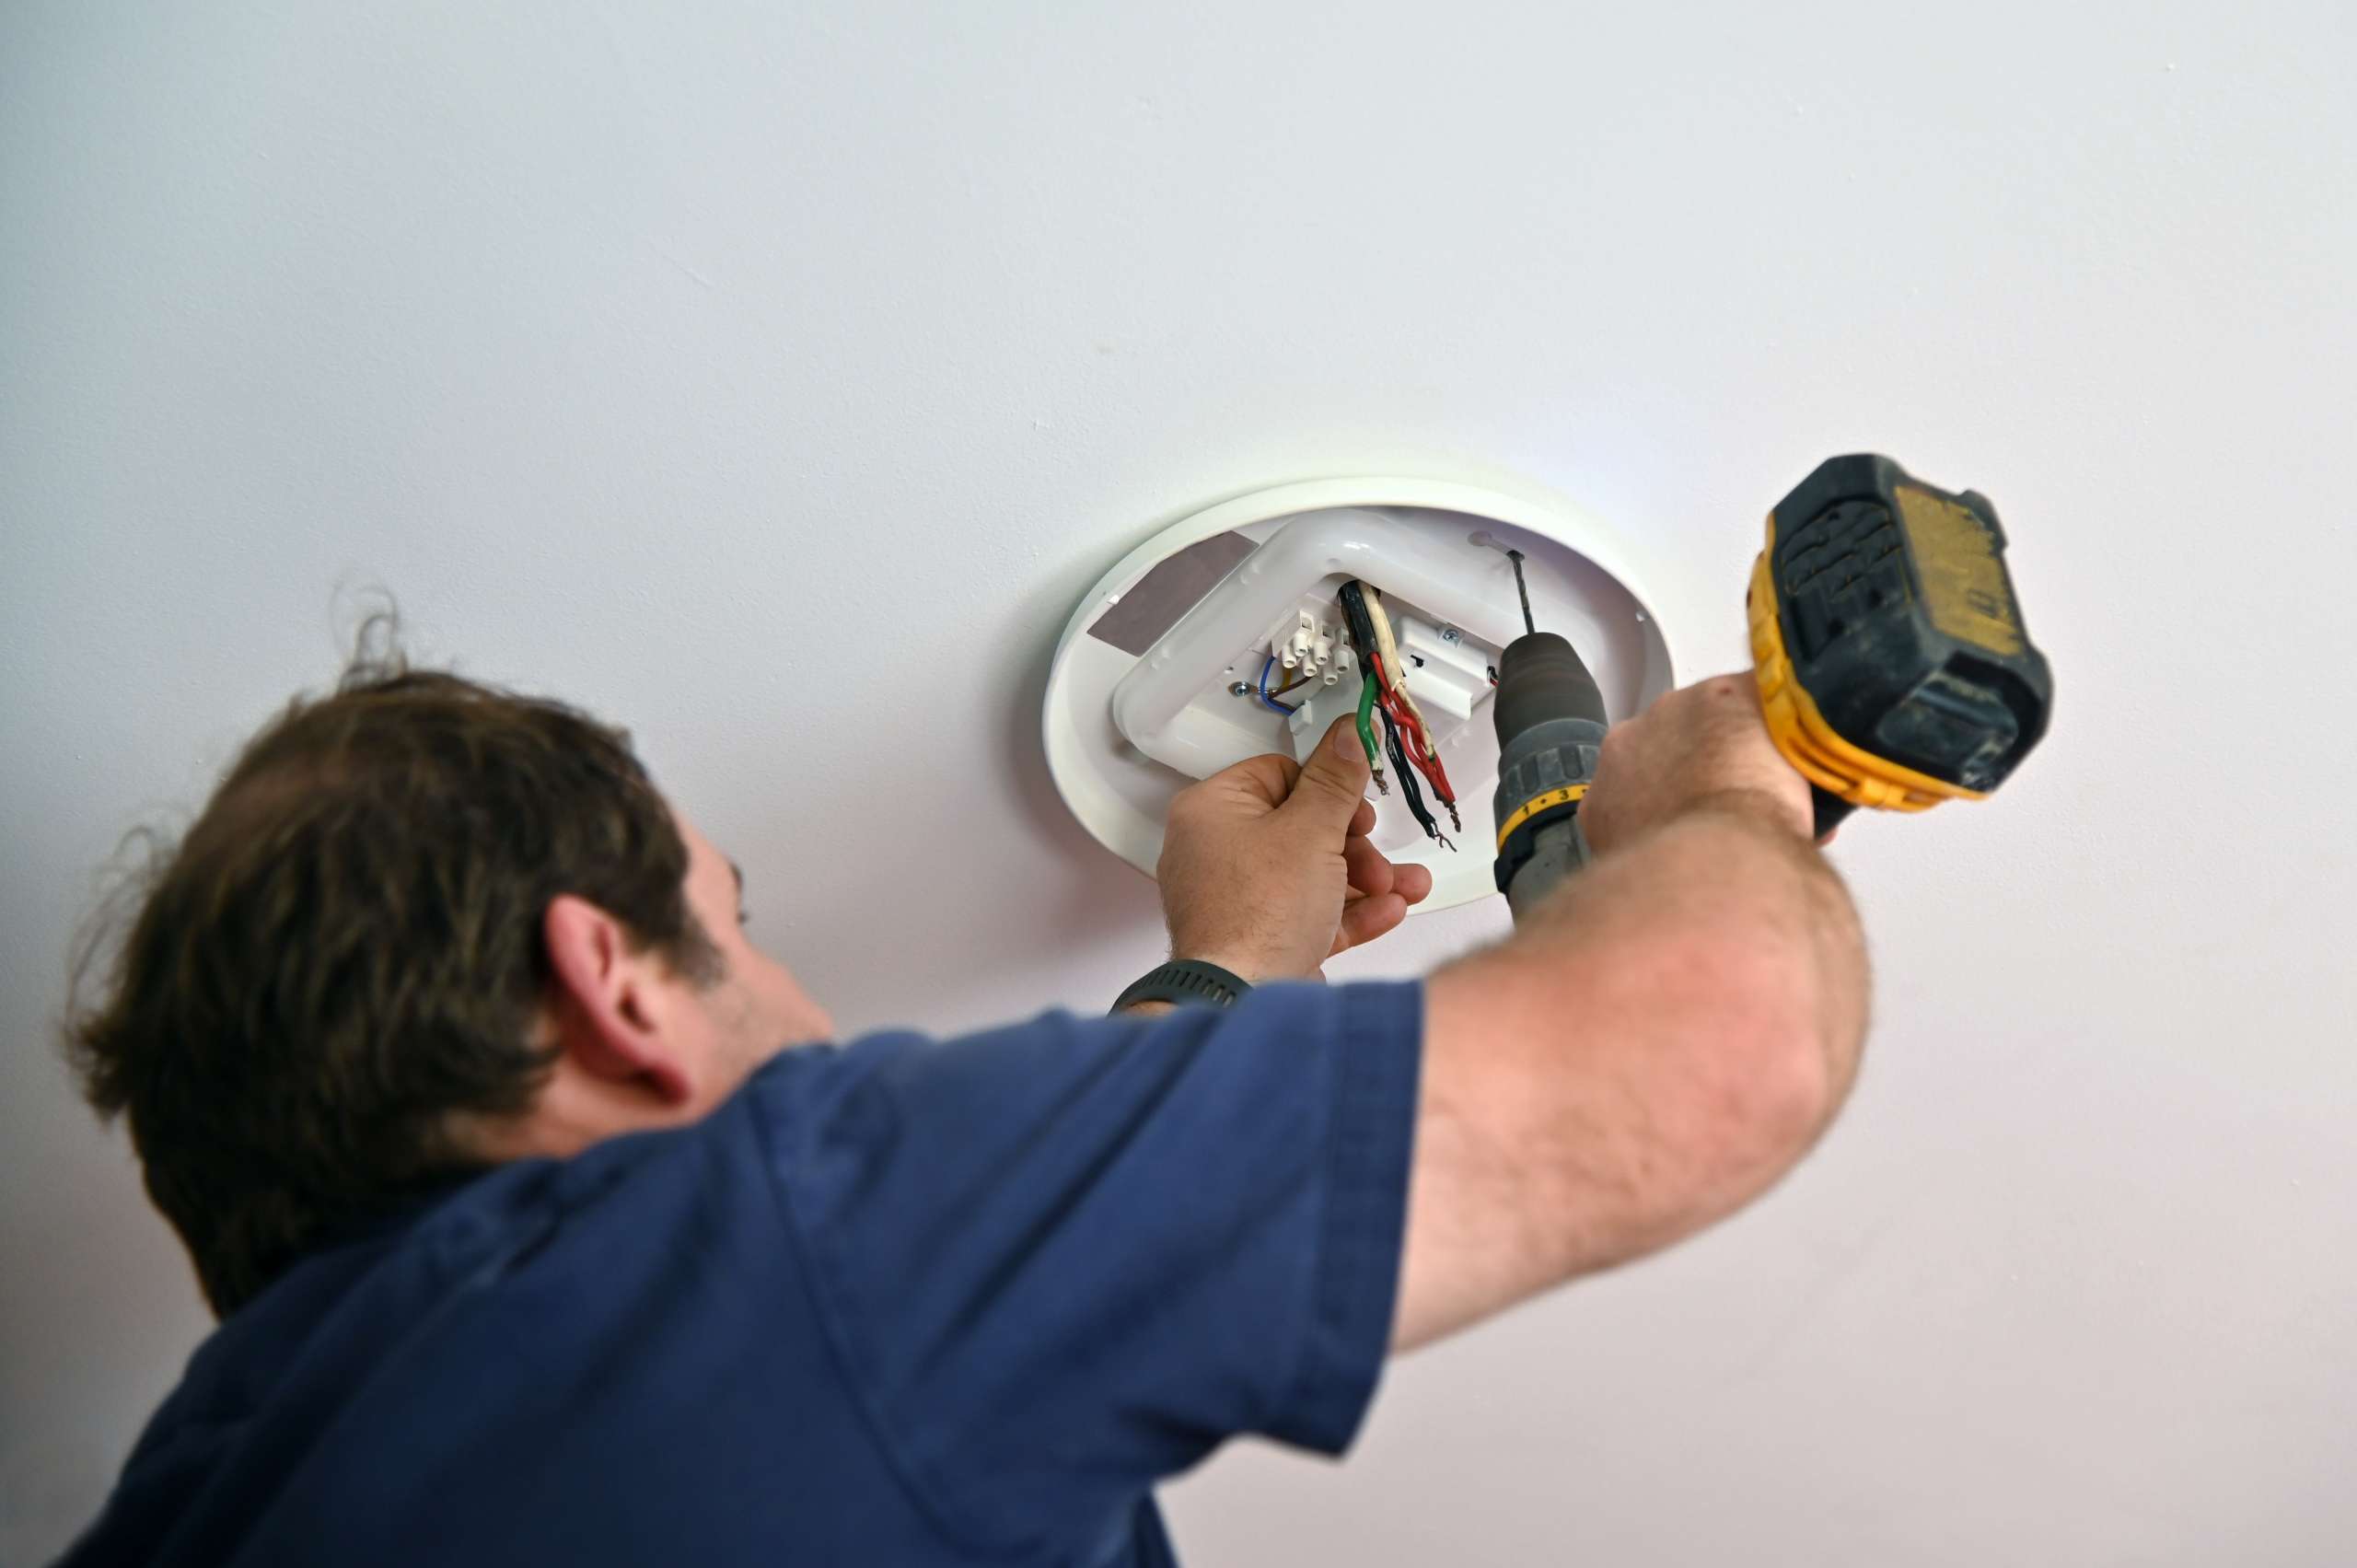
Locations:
{"points": [[1889, 648]]}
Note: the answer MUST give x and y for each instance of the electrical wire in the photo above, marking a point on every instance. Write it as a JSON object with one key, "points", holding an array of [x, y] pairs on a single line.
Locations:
{"points": [[1421, 751], [1266, 699], [1360, 633], [1384, 643], [1370, 632], [1395, 667], [1357, 600], [1366, 730], [1409, 720], [1408, 790], [1356, 621]]}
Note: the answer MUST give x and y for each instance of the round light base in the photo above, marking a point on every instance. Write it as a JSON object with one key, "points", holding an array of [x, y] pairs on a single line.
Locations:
{"points": [[1579, 586]]}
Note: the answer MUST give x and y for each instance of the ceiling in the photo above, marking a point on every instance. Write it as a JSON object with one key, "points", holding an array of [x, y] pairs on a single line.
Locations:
{"points": [[774, 378]]}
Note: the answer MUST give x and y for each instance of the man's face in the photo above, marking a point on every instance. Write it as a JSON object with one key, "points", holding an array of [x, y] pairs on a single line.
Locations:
{"points": [[757, 1009]]}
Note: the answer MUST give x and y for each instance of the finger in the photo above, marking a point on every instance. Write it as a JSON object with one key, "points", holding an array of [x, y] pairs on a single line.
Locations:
{"points": [[1265, 781], [1369, 918], [1369, 871], [1413, 883], [1364, 823], [1332, 784]]}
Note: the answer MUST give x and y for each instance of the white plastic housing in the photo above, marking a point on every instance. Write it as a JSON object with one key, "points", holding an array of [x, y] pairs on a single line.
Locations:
{"points": [[1159, 706], [1128, 726]]}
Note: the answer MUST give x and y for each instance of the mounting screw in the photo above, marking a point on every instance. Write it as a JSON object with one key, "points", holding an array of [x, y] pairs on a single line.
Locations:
{"points": [[1450, 633], [1239, 689]]}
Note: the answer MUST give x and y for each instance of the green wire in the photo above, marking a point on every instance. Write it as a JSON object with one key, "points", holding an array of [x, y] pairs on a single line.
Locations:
{"points": [[1367, 724]]}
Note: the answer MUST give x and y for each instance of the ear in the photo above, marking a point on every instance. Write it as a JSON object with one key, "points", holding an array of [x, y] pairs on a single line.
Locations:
{"points": [[609, 1019]]}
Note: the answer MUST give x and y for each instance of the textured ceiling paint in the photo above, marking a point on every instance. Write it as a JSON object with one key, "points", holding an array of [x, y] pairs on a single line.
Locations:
{"points": [[773, 378]]}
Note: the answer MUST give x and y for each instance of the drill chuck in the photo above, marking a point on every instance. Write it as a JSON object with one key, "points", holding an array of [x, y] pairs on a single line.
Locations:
{"points": [[1542, 677], [1551, 726]]}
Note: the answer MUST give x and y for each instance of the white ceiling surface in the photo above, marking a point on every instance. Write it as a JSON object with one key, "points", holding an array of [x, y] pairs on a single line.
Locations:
{"points": [[773, 378]]}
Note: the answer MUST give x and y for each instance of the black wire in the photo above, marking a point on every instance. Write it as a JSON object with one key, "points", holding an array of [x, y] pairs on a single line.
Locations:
{"points": [[1414, 797], [1355, 616]]}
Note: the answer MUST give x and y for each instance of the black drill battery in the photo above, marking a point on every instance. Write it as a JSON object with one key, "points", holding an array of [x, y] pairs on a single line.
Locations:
{"points": [[1893, 662]]}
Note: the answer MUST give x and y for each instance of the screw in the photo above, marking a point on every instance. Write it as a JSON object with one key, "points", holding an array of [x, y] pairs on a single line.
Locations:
{"points": [[1450, 633], [1239, 689]]}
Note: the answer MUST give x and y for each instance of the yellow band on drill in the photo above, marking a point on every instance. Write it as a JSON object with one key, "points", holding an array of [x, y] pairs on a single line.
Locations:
{"points": [[1537, 803], [1808, 743]]}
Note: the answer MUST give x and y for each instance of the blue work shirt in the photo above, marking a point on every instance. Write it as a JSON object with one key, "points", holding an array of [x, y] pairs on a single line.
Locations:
{"points": [[897, 1302]]}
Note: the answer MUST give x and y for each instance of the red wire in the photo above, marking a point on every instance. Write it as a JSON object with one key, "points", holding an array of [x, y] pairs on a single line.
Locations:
{"points": [[1421, 752], [1400, 713], [1429, 762]]}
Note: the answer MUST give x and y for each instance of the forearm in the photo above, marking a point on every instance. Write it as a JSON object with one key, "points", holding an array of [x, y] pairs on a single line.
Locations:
{"points": [[1658, 1041], [1752, 919]]}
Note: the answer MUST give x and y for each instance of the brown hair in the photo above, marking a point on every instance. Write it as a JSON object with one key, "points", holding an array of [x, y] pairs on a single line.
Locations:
{"points": [[342, 955]]}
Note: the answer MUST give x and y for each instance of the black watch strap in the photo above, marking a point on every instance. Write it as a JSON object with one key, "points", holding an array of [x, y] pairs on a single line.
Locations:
{"points": [[1183, 981]]}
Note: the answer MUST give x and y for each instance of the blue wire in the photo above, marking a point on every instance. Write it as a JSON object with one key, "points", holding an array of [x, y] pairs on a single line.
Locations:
{"points": [[1266, 701]]}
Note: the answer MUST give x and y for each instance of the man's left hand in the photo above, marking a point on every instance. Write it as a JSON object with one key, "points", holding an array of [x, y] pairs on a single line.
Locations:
{"points": [[1267, 870]]}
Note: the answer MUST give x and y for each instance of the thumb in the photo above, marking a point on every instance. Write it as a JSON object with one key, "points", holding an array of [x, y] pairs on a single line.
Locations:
{"points": [[1333, 782]]}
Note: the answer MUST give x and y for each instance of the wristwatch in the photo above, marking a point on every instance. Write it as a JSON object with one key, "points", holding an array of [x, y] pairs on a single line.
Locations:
{"points": [[1184, 982]]}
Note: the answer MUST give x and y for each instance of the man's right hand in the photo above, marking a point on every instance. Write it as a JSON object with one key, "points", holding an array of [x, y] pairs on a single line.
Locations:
{"points": [[1706, 742]]}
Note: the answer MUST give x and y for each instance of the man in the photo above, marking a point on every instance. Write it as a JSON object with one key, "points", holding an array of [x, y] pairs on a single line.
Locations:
{"points": [[544, 1227]]}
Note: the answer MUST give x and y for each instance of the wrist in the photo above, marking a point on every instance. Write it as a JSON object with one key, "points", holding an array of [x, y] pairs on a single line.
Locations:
{"points": [[1749, 805], [1785, 812], [1184, 982], [1240, 968], [1249, 968]]}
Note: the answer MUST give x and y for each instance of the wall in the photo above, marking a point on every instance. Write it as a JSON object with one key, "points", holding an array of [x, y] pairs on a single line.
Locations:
{"points": [[772, 377]]}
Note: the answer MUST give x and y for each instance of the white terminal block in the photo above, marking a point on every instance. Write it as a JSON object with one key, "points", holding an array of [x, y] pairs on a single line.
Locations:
{"points": [[1294, 640], [1306, 645]]}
